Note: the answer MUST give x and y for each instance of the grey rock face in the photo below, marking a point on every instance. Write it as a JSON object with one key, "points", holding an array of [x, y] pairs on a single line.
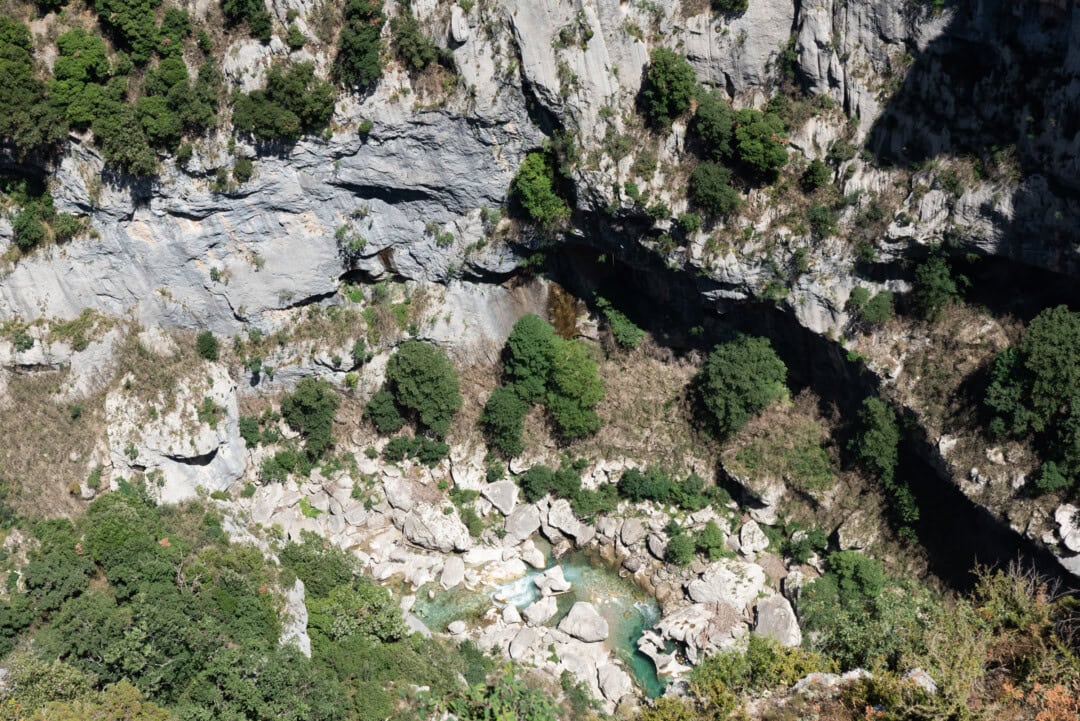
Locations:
{"points": [[453, 572], [632, 531], [614, 682], [524, 640], [584, 623], [552, 581]]}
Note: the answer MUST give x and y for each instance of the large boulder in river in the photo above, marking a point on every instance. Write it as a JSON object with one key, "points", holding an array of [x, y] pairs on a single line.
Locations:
{"points": [[552, 581], [614, 682], [428, 526], [538, 613], [584, 623]]}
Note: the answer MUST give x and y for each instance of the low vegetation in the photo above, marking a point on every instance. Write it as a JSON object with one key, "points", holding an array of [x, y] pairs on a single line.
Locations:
{"points": [[534, 187]]}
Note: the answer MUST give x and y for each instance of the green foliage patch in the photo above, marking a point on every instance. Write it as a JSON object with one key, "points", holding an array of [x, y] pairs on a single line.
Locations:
{"points": [[740, 378]]}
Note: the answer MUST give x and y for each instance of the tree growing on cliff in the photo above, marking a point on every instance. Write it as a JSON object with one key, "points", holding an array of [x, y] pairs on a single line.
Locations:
{"points": [[358, 62], [310, 410], [534, 188], [740, 379], [668, 88], [423, 381]]}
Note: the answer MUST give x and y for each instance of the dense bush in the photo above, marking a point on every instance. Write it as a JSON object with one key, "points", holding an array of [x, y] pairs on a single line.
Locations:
{"points": [[668, 87], [503, 419], [207, 345], [711, 189], [870, 310], [309, 410], [876, 446], [681, 548], [731, 7], [415, 49], [816, 175], [654, 484], [714, 125], [424, 382], [534, 188], [935, 287], [358, 63], [29, 121], [759, 141], [527, 357], [134, 22], [740, 378], [623, 330], [1033, 392], [425, 450], [822, 220], [293, 102], [252, 12], [383, 413], [574, 390]]}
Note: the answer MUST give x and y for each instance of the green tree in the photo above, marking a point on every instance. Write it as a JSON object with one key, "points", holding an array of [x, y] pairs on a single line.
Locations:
{"points": [[415, 49], [816, 175], [293, 102], [310, 410], [503, 420], [534, 188], [574, 389], [878, 439], [527, 357], [29, 121], [710, 541], [740, 378], [252, 12], [536, 482], [759, 141], [680, 549], [731, 7], [711, 189], [714, 124], [668, 87], [206, 344], [134, 22], [935, 287], [358, 63], [423, 380], [383, 413], [117, 702]]}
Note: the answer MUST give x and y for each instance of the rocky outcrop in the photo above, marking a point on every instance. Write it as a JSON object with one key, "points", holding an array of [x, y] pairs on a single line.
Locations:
{"points": [[584, 623], [429, 527], [735, 583], [776, 620]]}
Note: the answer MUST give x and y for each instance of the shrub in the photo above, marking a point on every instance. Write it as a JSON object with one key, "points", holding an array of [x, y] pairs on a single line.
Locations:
{"points": [[710, 541], [29, 120], [759, 143], [935, 287], [689, 222], [207, 345], [714, 125], [310, 410], [503, 419], [711, 189], [871, 310], [358, 63], [1050, 479], [253, 12], [740, 379], [294, 38], [534, 188], [876, 446], [536, 482], [424, 382], [680, 549], [623, 330], [134, 21], [668, 87], [1032, 391], [816, 175], [28, 228], [292, 103], [415, 50], [527, 357], [243, 169], [823, 221], [383, 413], [574, 390], [731, 7]]}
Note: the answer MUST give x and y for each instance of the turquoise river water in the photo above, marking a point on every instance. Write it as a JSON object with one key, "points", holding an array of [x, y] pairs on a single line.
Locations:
{"points": [[628, 610]]}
